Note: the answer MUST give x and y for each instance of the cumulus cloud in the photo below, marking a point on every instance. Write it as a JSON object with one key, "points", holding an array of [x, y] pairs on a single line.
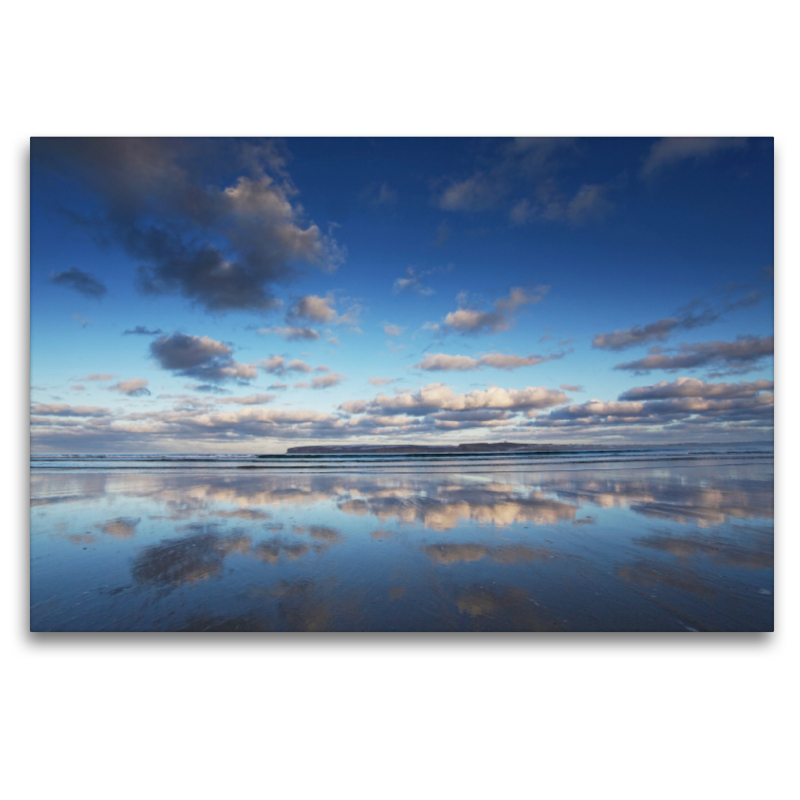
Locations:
{"points": [[442, 362], [468, 320], [314, 308], [223, 248], [83, 282], [142, 331], [667, 152], [292, 334], [393, 330], [437, 406], [134, 387], [278, 365], [741, 355], [199, 357]]}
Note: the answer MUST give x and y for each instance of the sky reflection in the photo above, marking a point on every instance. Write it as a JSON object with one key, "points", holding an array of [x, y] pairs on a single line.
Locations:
{"points": [[655, 548]]}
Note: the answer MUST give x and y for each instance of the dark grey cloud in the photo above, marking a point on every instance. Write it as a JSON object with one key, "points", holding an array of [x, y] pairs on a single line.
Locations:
{"points": [[686, 401], [696, 314], [693, 387], [738, 356], [80, 281], [293, 334], [142, 331], [222, 247], [199, 357]]}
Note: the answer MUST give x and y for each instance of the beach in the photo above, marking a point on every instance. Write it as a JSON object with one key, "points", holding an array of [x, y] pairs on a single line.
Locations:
{"points": [[645, 540]]}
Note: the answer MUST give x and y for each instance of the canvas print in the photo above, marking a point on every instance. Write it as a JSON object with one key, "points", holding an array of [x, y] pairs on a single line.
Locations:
{"points": [[401, 384]]}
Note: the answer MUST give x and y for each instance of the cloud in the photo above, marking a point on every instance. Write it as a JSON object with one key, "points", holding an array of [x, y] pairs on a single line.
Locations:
{"points": [[443, 362], [134, 387], [393, 330], [207, 387], [741, 355], [83, 282], [278, 387], [142, 331], [528, 167], [379, 195], [293, 334], [250, 400], [473, 321], [692, 387], [442, 235], [685, 401], [322, 382], [412, 282], [277, 365], [590, 202], [199, 357], [223, 248], [381, 381], [63, 410], [98, 377], [667, 152], [313, 308], [437, 397], [479, 192], [696, 314], [569, 388]]}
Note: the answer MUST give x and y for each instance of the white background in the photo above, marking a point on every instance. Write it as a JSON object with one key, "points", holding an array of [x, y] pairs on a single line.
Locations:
{"points": [[489, 716]]}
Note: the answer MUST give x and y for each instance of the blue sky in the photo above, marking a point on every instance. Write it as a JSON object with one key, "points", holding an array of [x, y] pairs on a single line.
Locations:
{"points": [[250, 295]]}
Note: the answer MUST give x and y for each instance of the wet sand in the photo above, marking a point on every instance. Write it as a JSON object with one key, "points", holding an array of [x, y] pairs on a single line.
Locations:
{"points": [[651, 546]]}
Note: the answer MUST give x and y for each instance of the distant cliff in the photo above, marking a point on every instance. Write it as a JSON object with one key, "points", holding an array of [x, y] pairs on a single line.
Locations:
{"points": [[410, 449]]}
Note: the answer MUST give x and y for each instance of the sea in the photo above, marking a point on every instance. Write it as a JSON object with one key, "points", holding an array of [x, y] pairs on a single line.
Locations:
{"points": [[578, 540]]}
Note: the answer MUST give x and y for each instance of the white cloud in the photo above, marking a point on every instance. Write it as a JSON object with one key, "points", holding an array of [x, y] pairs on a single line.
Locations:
{"points": [[441, 362], [667, 152], [473, 321], [277, 365]]}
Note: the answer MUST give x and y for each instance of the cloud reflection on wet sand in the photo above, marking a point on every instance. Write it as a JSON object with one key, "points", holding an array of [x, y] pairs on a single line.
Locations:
{"points": [[504, 554], [409, 551]]}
